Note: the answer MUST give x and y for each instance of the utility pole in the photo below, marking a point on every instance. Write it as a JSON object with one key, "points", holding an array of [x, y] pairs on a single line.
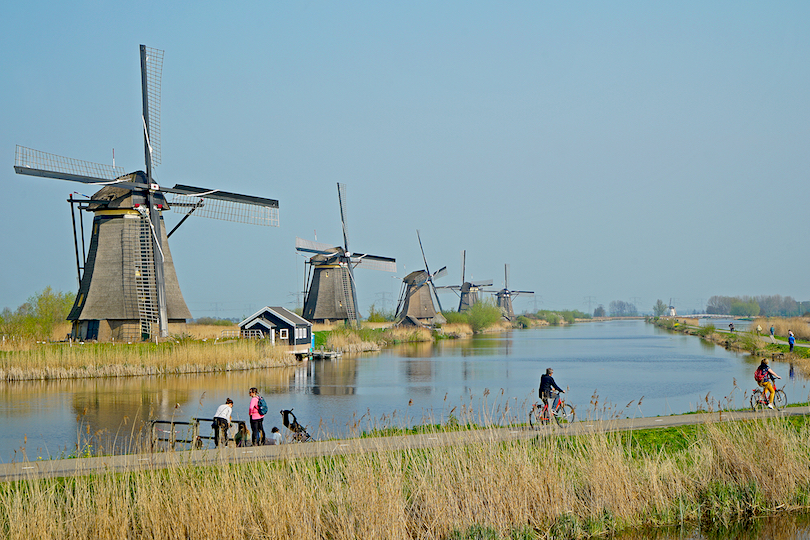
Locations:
{"points": [[590, 300]]}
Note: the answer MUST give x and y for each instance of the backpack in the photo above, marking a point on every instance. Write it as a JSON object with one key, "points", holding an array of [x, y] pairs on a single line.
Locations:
{"points": [[262, 406], [760, 375]]}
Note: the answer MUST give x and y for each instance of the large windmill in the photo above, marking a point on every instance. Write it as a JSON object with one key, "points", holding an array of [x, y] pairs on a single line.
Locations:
{"points": [[505, 295], [418, 289], [128, 288], [468, 290], [331, 289]]}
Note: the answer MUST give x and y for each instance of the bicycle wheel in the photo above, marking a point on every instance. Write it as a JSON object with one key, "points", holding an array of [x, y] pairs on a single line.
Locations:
{"points": [[780, 399], [756, 403], [564, 415], [535, 417]]}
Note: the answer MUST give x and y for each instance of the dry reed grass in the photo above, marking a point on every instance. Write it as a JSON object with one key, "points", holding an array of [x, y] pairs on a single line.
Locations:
{"points": [[558, 487], [799, 325], [43, 361]]}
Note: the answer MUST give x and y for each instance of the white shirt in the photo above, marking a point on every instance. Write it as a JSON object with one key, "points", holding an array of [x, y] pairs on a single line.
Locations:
{"points": [[224, 411], [277, 439]]}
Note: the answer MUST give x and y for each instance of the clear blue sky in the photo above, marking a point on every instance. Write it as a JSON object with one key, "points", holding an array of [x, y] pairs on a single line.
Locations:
{"points": [[612, 151]]}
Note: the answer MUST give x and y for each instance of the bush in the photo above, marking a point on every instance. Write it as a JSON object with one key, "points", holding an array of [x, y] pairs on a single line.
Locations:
{"points": [[523, 322], [454, 317], [483, 315], [37, 318], [212, 321], [378, 316]]}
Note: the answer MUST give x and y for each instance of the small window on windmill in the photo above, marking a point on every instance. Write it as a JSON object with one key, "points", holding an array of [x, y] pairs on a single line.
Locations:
{"points": [[283, 333], [327, 273]]}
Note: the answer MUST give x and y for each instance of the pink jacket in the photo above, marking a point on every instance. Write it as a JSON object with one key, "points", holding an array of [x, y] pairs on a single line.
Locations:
{"points": [[253, 409]]}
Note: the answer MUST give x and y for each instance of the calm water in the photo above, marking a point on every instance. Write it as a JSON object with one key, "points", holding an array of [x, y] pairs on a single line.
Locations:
{"points": [[614, 364]]}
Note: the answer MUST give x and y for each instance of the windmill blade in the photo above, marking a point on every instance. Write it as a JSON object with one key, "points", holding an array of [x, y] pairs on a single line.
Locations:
{"points": [[342, 201], [515, 293], [463, 263], [37, 163], [151, 74], [506, 276], [427, 269], [310, 246], [224, 205], [374, 262], [354, 294], [440, 273], [482, 283]]}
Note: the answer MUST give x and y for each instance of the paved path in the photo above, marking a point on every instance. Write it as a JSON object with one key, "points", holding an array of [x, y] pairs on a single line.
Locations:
{"points": [[87, 466]]}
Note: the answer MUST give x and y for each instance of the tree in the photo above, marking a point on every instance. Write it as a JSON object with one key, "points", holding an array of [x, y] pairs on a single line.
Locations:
{"points": [[37, 317], [618, 308], [659, 308], [599, 311]]}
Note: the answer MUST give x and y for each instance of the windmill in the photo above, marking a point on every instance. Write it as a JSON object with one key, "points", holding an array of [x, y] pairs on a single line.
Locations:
{"points": [[331, 289], [128, 288], [418, 289], [505, 295], [468, 290]]}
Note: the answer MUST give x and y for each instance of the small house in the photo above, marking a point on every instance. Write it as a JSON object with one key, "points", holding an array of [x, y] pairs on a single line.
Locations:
{"points": [[281, 326]]}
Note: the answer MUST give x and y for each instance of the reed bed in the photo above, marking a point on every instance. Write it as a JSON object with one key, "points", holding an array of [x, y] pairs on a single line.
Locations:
{"points": [[799, 325], [558, 487], [45, 361]]}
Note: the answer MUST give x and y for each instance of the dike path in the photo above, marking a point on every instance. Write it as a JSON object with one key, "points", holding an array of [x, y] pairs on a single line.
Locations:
{"points": [[223, 456]]}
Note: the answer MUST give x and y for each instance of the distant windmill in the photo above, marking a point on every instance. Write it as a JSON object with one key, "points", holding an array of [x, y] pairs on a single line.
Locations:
{"points": [[468, 290], [129, 288], [418, 289], [331, 290], [671, 311], [505, 295]]}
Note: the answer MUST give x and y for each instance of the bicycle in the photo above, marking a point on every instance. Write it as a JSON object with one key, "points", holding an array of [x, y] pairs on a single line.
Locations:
{"points": [[759, 401], [541, 413]]}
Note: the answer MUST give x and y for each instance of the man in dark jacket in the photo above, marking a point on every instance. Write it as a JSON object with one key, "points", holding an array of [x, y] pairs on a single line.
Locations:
{"points": [[547, 387]]}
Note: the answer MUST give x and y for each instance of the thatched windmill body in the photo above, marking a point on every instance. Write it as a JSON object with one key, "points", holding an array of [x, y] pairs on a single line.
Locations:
{"points": [[415, 304], [128, 286], [505, 295], [468, 291], [331, 289]]}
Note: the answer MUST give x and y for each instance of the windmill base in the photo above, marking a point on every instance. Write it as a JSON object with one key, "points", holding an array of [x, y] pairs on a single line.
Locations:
{"points": [[112, 330]]}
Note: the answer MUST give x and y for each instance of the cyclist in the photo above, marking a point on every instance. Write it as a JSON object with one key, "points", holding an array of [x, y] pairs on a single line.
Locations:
{"points": [[765, 376], [547, 387]]}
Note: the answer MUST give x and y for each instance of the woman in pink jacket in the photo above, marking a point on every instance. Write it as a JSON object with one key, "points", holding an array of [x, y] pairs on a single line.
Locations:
{"points": [[256, 419]]}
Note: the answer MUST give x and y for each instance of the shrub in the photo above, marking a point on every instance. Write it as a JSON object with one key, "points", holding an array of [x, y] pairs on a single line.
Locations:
{"points": [[37, 318], [483, 315]]}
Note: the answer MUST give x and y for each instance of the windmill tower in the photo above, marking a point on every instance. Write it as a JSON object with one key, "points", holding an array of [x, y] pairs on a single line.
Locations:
{"points": [[331, 289], [468, 290], [505, 295], [129, 289], [416, 298]]}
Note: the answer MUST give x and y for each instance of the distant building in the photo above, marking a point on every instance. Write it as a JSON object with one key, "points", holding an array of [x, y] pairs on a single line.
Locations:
{"points": [[671, 311], [281, 326]]}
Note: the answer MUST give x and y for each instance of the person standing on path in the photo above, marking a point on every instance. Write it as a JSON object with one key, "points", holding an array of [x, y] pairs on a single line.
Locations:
{"points": [[759, 330], [791, 339], [222, 421], [772, 338], [256, 418]]}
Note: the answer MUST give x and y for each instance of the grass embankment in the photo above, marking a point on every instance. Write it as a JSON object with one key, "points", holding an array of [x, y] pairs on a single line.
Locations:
{"points": [[28, 360], [566, 487], [749, 342]]}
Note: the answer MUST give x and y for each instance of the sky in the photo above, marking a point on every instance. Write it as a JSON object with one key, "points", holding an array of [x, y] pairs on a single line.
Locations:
{"points": [[606, 151]]}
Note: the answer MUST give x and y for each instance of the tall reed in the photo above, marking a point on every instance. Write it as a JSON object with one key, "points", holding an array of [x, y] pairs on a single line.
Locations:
{"points": [[36, 361], [561, 486]]}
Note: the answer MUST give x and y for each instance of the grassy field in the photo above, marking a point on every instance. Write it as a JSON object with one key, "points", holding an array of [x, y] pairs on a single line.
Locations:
{"points": [[563, 487]]}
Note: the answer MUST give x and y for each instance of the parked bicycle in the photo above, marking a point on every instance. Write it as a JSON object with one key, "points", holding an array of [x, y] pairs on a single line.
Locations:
{"points": [[541, 413], [760, 401]]}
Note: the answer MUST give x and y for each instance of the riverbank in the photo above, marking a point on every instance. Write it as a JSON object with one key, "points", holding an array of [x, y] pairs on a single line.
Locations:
{"points": [[572, 486], [744, 342], [20, 361]]}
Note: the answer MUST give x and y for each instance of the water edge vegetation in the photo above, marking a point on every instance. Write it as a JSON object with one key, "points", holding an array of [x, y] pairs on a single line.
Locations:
{"points": [[558, 486]]}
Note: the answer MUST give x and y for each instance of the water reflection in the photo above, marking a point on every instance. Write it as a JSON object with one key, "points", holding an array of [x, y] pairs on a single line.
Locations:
{"points": [[782, 527], [621, 362]]}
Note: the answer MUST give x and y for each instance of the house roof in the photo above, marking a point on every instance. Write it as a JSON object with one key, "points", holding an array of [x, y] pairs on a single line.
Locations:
{"points": [[281, 313]]}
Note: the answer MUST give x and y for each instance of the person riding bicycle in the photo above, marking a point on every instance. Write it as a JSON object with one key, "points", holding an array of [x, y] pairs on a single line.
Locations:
{"points": [[547, 387], [765, 376]]}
